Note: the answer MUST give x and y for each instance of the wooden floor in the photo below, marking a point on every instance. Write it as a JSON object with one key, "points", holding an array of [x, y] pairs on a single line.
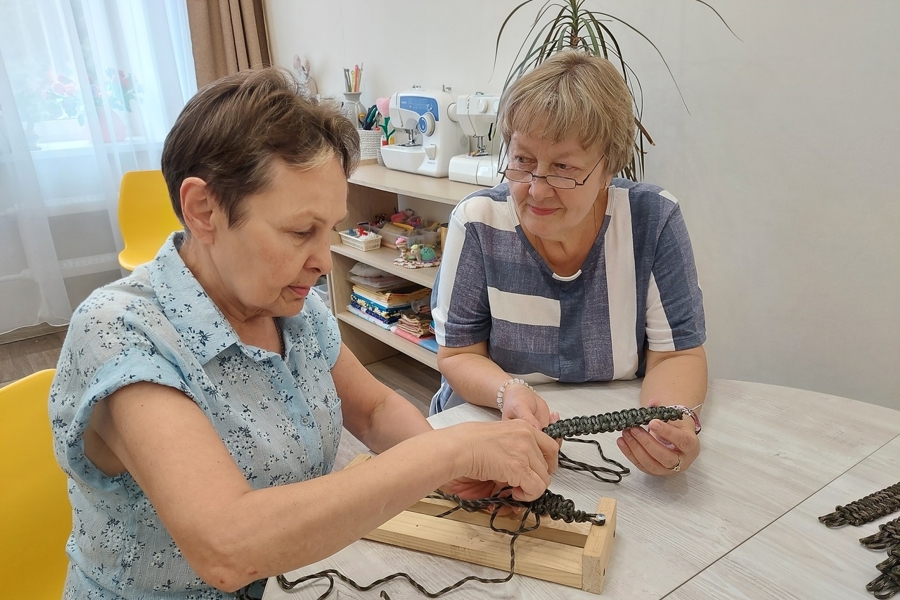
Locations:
{"points": [[410, 378]]}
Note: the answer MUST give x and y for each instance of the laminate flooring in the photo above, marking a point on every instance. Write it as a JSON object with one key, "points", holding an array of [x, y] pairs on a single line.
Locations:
{"points": [[408, 377]]}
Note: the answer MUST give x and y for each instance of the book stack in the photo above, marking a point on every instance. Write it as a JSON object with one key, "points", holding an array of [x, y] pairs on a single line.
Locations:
{"points": [[384, 307]]}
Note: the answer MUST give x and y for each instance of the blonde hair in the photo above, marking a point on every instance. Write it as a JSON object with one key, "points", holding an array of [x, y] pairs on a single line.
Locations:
{"points": [[573, 93]]}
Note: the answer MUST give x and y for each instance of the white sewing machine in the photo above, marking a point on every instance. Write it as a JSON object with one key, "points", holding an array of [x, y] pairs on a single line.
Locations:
{"points": [[429, 119], [477, 116]]}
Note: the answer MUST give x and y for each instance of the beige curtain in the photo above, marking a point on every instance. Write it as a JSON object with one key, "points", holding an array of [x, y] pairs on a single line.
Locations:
{"points": [[227, 36]]}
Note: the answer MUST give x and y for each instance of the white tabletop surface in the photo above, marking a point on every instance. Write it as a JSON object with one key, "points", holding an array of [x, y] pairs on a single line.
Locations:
{"points": [[740, 523]]}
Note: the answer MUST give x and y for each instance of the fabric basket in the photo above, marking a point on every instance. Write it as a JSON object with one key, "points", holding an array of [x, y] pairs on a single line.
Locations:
{"points": [[369, 143]]}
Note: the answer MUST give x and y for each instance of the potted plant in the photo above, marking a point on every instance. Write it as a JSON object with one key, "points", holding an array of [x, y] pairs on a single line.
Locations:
{"points": [[120, 92], [570, 24]]}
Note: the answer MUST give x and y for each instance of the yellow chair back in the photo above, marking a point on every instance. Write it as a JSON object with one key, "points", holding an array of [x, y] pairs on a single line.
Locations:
{"points": [[146, 217], [35, 514]]}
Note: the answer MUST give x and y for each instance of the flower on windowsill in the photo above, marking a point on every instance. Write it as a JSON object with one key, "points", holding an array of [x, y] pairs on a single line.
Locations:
{"points": [[63, 99], [119, 90]]}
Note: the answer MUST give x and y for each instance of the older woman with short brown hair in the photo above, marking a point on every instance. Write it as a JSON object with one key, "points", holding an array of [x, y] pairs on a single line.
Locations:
{"points": [[566, 273], [199, 402]]}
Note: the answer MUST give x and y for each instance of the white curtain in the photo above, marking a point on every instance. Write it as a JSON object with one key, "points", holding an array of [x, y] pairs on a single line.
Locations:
{"points": [[88, 91]]}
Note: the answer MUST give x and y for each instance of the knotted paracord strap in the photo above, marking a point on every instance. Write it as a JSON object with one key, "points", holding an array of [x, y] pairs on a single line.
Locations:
{"points": [[868, 509], [888, 583], [887, 537], [613, 421], [606, 423], [548, 505]]}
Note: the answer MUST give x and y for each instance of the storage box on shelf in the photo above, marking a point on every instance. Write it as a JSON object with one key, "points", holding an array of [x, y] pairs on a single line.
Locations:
{"points": [[373, 189], [370, 242]]}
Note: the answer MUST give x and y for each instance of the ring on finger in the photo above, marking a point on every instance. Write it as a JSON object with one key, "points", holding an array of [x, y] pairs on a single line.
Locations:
{"points": [[677, 466]]}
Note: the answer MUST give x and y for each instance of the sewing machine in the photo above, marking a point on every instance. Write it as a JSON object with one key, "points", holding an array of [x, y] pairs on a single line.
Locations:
{"points": [[429, 119], [477, 116]]}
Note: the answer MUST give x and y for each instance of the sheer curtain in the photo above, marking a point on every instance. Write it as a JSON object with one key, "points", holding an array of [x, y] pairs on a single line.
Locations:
{"points": [[88, 91]]}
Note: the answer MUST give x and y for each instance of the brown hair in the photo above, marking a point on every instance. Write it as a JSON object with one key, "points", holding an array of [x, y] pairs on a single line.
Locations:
{"points": [[573, 93], [233, 129]]}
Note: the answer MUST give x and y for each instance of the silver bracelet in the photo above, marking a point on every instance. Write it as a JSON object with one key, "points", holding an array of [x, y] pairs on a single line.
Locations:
{"points": [[502, 390]]}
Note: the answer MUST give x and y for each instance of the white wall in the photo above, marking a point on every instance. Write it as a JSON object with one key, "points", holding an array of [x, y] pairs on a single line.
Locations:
{"points": [[787, 166]]}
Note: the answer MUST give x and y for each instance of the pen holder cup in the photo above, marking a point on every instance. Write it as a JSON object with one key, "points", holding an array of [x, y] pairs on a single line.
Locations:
{"points": [[369, 143]]}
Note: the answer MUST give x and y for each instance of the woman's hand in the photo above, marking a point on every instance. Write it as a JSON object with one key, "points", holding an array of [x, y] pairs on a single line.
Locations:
{"points": [[668, 448], [521, 402], [509, 453]]}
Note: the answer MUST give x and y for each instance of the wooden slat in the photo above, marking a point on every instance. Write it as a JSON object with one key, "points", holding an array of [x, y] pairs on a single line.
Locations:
{"points": [[598, 548], [571, 534], [471, 543]]}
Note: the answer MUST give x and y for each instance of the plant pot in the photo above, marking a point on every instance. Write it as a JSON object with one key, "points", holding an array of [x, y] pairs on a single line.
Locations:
{"points": [[119, 130]]}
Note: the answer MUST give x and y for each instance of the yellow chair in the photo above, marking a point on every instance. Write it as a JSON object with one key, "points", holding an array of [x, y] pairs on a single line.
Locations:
{"points": [[146, 217], [35, 514]]}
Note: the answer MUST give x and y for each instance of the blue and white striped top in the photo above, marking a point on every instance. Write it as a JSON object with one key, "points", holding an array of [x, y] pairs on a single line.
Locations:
{"points": [[637, 290]]}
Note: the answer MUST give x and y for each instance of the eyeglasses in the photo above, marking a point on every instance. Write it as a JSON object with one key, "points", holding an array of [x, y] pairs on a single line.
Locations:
{"points": [[555, 181]]}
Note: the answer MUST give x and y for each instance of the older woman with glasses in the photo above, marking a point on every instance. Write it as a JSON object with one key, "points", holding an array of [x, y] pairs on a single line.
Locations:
{"points": [[565, 273]]}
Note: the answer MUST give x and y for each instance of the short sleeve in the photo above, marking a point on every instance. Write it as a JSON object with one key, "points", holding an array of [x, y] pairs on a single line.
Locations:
{"points": [[459, 300], [675, 317], [106, 349]]}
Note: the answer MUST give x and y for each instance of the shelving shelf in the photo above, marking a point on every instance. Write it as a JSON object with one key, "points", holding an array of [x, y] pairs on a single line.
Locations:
{"points": [[436, 189], [394, 341], [374, 189], [383, 259]]}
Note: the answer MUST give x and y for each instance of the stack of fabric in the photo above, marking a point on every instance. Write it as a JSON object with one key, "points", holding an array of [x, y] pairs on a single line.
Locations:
{"points": [[416, 326], [384, 308]]}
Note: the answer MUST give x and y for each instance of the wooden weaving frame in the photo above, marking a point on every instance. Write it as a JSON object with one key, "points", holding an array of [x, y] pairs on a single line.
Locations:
{"points": [[572, 554]]}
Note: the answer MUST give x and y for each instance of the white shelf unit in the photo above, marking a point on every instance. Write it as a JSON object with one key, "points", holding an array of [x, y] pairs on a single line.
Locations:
{"points": [[374, 190]]}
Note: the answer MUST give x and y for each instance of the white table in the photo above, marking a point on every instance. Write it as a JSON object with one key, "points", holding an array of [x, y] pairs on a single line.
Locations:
{"points": [[740, 523]]}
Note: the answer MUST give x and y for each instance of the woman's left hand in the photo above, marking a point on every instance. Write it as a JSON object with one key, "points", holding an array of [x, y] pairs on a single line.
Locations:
{"points": [[668, 448]]}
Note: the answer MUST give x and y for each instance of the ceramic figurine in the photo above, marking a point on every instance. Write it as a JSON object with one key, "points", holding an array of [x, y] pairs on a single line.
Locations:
{"points": [[307, 84]]}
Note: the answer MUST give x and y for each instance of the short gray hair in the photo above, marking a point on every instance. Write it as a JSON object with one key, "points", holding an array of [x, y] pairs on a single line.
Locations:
{"points": [[573, 93]]}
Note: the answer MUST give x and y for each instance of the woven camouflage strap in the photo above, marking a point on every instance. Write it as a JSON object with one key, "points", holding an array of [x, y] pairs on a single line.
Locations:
{"points": [[868, 509], [612, 421], [887, 537], [888, 583]]}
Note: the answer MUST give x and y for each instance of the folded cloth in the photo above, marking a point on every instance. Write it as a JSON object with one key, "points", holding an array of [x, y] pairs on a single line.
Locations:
{"points": [[369, 318], [429, 343]]}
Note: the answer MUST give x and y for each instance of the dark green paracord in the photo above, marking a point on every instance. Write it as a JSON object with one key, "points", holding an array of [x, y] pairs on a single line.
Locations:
{"points": [[888, 583], [606, 423], [865, 510], [612, 421], [887, 537]]}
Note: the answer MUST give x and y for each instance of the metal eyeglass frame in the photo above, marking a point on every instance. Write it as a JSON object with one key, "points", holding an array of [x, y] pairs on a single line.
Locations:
{"points": [[547, 178]]}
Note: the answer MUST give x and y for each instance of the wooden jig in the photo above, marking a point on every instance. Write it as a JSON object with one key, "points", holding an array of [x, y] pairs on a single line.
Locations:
{"points": [[572, 554]]}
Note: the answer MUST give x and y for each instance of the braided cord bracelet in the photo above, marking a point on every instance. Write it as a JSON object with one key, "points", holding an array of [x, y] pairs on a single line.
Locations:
{"points": [[865, 510], [888, 583], [887, 537]]}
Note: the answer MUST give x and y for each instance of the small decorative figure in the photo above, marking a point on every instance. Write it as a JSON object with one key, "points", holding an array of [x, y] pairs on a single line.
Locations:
{"points": [[403, 247], [427, 254], [415, 256], [308, 86]]}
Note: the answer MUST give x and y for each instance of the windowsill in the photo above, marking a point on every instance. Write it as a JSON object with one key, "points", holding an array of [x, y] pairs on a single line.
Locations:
{"points": [[84, 147]]}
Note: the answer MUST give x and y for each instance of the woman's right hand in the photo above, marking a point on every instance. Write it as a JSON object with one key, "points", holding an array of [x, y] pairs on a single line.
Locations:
{"points": [[509, 453], [521, 402]]}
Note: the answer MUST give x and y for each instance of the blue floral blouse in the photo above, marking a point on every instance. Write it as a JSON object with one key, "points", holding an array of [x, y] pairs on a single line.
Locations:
{"points": [[279, 418]]}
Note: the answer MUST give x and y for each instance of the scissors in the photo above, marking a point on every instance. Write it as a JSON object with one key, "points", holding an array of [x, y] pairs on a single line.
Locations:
{"points": [[371, 115]]}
